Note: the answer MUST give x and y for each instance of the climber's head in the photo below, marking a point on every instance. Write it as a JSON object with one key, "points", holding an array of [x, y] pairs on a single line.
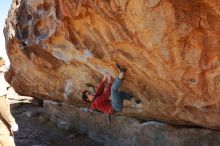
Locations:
{"points": [[88, 96]]}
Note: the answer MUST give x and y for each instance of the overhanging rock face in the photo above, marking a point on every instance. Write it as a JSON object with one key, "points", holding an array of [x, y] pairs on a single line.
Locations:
{"points": [[171, 49]]}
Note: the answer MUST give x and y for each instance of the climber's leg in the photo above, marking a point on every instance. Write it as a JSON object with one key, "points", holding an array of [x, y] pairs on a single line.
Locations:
{"points": [[117, 102]]}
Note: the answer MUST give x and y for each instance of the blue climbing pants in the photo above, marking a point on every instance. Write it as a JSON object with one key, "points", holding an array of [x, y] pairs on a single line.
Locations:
{"points": [[118, 97]]}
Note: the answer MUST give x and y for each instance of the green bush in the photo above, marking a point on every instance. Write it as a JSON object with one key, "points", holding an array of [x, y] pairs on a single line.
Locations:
{"points": [[1, 58]]}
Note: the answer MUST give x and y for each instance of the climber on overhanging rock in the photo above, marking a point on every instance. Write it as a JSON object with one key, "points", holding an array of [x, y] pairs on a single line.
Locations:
{"points": [[100, 100]]}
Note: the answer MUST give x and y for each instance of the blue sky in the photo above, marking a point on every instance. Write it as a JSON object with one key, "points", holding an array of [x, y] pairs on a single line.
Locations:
{"points": [[4, 7]]}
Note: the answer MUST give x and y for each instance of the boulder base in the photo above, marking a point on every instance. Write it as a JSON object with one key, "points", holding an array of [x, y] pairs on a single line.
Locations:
{"points": [[128, 131]]}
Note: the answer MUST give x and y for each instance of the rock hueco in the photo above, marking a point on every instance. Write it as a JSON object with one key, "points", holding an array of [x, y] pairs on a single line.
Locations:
{"points": [[171, 49]]}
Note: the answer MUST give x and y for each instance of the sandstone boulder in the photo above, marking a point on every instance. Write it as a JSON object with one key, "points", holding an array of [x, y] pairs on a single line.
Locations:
{"points": [[170, 48]]}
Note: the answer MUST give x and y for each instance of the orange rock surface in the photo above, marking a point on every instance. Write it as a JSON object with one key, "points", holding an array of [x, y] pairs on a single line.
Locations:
{"points": [[171, 49]]}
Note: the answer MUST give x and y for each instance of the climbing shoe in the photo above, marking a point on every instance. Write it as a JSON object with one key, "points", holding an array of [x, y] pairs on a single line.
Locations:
{"points": [[120, 68]]}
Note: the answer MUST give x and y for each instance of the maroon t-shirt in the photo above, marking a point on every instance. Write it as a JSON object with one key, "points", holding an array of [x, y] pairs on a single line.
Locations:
{"points": [[102, 102]]}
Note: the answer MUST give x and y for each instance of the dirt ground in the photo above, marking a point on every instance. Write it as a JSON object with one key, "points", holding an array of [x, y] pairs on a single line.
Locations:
{"points": [[35, 129]]}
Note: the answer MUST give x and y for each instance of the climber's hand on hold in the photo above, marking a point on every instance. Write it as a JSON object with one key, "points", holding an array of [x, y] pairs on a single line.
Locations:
{"points": [[109, 78], [105, 76]]}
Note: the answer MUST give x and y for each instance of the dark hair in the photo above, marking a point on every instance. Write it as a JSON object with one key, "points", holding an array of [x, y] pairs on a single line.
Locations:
{"points": [[84, 96]]}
